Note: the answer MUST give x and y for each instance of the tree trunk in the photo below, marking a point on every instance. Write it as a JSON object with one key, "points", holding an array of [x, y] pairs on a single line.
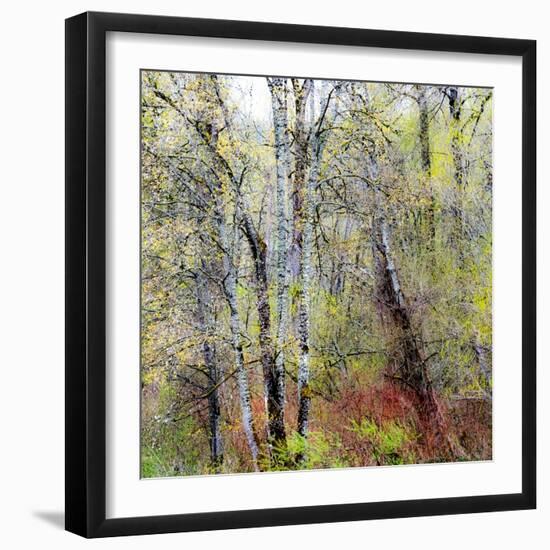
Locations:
{"points": [[230, 258], [455, 109], [302, 243], [277, 87], [209, 358], [301, 95], [230, 291], [274, 400], [424, 131], [425, 159], [304, 391], [409, 364]]}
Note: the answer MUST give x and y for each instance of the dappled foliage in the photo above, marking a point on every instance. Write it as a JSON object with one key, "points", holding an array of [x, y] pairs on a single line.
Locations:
{"points": [[316, 274]]}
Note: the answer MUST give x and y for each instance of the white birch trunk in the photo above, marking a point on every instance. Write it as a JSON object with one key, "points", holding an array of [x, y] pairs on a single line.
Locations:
{"points": [[301, 161], [230, 290], [304, 391], [304, 395], [277, 87]]}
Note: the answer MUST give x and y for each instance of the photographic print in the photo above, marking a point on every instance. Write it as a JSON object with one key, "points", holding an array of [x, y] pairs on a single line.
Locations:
{"points": [[316, 273]]}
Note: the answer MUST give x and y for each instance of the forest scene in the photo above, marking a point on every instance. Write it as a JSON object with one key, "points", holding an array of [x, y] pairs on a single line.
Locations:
{"points": [[316, 274]]}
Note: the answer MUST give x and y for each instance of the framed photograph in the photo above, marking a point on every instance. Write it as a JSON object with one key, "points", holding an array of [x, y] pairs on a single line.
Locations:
{"points": [[300, 274]]}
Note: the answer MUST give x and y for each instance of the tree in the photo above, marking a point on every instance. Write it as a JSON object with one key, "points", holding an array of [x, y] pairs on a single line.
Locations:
{"points": [[278, 90], [227, 238], [307, 211]]}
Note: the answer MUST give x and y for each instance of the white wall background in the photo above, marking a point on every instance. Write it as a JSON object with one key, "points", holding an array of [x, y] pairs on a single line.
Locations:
{"points": [[31, 274]]}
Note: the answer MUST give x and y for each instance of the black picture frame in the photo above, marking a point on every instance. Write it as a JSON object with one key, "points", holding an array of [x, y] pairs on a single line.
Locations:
{"points": [[86, 274]]}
